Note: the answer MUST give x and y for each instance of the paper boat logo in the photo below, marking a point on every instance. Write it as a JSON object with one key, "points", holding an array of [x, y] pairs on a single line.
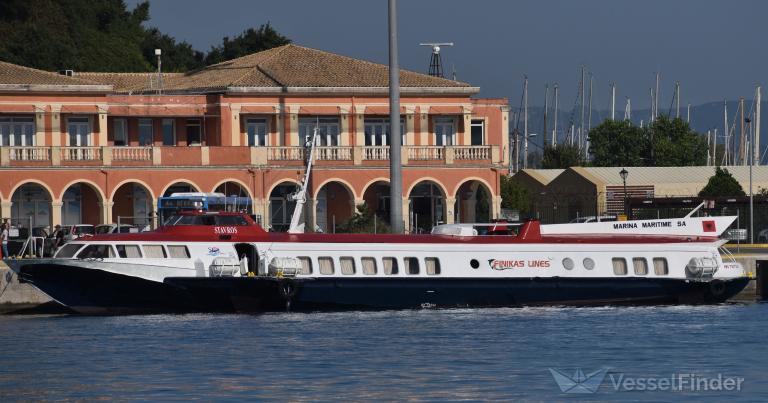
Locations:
{"points": [[579, 382]]}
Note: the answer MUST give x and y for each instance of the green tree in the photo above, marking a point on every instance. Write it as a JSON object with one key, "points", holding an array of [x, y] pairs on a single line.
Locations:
{"points": [[513, 195], [177, 57], [722, 184], [561, 156], [250, 41], [617, 143], [674, 143], [363, 221]]}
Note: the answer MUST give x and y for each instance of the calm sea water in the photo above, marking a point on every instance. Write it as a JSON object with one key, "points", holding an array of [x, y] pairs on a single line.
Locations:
{"points": [[466, 354]]}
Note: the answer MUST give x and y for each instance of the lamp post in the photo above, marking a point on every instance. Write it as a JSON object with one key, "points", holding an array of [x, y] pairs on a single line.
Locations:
{"points": [[624, 173]]}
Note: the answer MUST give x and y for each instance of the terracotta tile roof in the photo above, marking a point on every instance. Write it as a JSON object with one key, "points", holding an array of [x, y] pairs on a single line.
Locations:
{"points": [[128, 82], [13, 74]]}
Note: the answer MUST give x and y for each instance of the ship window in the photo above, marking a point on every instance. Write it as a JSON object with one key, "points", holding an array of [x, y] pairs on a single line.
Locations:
{"points": [[306, 265], [433, 265], [128, 251], [640, 265], [588, 263], [68, 251], [390, 265], [369, 265], [660, 267], [178, 252], [347, 265], [568, 263], [97, 252], [326, 265], [619, 266], [411, 265], [154, 251]]}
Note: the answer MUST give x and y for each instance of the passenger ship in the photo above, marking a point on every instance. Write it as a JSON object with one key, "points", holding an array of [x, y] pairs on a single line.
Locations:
{"points": [[225, 262]]}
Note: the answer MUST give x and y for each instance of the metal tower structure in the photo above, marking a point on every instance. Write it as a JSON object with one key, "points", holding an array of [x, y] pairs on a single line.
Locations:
{"points": [[435, 63]]}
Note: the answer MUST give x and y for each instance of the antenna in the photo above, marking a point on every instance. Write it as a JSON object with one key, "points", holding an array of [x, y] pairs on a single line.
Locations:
{"points": [[435, 65], [159, 52]]}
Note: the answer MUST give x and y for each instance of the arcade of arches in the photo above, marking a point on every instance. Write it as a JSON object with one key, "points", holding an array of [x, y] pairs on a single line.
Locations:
{"points": [[425, 202]]}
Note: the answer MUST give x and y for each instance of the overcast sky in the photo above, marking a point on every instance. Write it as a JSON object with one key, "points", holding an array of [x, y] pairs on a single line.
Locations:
{"points": [[716, 48]]}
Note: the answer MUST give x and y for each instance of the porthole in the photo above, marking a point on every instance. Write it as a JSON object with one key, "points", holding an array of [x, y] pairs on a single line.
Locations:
{"points": [[568, 263], [589, 264], [474, 263]]}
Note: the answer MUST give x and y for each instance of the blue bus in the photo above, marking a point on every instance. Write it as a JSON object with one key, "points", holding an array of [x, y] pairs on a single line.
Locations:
{"points": [[186, 201]]}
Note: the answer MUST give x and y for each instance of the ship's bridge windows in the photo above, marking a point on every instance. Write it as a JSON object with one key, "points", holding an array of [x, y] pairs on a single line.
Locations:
{"points": [[347, 265], [154, 251], [619, 266], [390, 265], [411, 265], [178, 252], [69, 250], [369, 265], [128, 251], [326, 265], [97, 251], [306, 265], [640, 266], [433, 266], [660, 266]]}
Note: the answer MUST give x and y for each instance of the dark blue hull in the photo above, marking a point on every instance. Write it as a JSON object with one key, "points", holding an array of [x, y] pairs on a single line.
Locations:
{"points": [[99, 292]]}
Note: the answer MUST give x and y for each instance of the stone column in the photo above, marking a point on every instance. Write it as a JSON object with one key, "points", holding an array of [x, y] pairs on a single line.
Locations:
{"points": [[235, 122], [56, 212], [106, 212], [496, 210], [5, 209], [504, 135], [260, 208], [359, 129], [466, 134], [280, 120], [310, 214], [410, 123], [56, 125], [40, 125], [450, 206], [344, 133], [102, 123], [293, 133], [424, 127], [406, 214]]}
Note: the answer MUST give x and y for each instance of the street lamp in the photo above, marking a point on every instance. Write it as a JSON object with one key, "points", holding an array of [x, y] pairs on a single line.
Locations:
{"points": [[624, 173]]}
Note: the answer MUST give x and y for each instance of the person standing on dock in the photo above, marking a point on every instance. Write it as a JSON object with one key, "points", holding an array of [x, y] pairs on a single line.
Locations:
{"points": [[4, 238]]}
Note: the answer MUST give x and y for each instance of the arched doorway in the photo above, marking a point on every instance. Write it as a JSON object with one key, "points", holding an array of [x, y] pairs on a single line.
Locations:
{"points": [[281, 206], [426, 206], [234, 189], [81, 204], [335, 204], [180, 187], [473, 203], [31, 204], [132, 204], [376, 196]]}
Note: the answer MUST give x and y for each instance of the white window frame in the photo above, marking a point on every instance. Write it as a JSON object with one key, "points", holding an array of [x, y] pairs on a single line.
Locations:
{"points": [[475, 123], [257, 130], [173, 130], [8, 135], [329, 131], [82, 139], [120, 125], [441, 125], [146, 122], [377, 131]]}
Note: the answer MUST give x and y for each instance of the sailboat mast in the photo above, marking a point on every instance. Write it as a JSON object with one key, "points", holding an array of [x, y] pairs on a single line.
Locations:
{"points": [[725, 131], [677, 98], [581, 90], [656, 111], [613, 101], [546, 110], [756, 148], [525, 123], [742, 135], [554, 126], [628, 109]]}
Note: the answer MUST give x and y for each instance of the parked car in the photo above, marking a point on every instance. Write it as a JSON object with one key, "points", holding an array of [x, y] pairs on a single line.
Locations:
{"points": [[113, 229], [76, 231]]}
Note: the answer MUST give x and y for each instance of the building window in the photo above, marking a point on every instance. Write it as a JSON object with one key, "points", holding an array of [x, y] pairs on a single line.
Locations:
{"points": [[433, 266], [411, 265], [390, 265], [445, 132], [257, 132], [194, 132], [17, 131], [79, 132], [640, 266], [145, 132], [169, 132], [120, 132], [328, 131], [377, 132], [347, 265], [326, 265], [660, 267], [369, 265], [619, 266], [477, 129], [306, 265]]}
